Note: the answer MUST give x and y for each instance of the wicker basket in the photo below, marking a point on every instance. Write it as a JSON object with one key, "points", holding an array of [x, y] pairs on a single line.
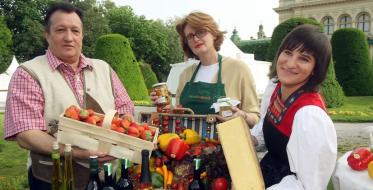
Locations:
{"points": [[92, 137]]}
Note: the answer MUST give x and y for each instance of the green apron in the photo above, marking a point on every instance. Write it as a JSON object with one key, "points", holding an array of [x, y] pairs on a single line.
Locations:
{"points": [[199, 96]]}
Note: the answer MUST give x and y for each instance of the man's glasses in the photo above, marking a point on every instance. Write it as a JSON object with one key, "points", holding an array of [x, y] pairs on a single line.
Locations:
{"points": [[199, 34]]}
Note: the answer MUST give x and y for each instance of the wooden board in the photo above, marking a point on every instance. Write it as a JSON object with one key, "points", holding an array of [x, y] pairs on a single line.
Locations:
{"points": [[240, 155], [92, 137]]}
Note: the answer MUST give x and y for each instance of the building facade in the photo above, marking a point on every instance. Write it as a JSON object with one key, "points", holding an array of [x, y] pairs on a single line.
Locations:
{"points": [[333, 14]]}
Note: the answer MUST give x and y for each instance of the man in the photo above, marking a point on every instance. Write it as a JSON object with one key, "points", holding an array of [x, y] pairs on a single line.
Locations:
{"points": [[42, 88]]}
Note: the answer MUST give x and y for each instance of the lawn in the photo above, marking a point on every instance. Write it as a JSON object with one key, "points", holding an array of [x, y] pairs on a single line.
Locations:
{"points": [[13, 174], [355, 109]]}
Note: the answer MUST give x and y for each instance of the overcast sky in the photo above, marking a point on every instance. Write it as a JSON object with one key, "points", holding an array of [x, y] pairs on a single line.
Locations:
{"points": [[245, 15]]}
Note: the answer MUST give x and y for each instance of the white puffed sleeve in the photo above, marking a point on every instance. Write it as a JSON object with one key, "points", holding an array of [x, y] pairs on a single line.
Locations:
{"points": [[257, 130], [311, 150]]}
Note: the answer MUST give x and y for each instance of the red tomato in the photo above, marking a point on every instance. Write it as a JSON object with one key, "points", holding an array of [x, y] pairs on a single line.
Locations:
{"points": [[219, 184]]}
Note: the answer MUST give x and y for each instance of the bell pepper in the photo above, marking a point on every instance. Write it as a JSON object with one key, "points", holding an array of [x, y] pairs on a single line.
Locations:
{"points": [[359, 159], [164, 139], [177, 148], [157, 180], [190, 136]]}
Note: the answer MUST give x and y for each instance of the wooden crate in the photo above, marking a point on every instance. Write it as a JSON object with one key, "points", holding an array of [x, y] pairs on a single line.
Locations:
{"points": [[240, 155], [92, 137], [205, 125]]}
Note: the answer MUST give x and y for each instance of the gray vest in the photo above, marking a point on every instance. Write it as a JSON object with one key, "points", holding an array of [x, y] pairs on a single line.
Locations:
{"points": [[58, 96]]}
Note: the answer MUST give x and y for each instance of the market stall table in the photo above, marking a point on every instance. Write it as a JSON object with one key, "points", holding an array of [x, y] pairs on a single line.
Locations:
{"points": [[344, 178]]}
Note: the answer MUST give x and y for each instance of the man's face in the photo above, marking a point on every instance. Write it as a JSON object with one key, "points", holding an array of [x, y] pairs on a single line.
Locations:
{"points": [[65, 36]]}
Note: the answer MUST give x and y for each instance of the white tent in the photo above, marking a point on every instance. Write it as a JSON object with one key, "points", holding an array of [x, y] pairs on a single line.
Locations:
{"points": [[4, 82], [259, 69]]}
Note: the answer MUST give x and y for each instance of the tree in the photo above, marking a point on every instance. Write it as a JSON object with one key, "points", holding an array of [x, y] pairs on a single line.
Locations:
{"points": [[353, 65], [24, 19], [150, 40], [256, 47], [149, 76], [330, 89], [5, 45], [116, 50]]}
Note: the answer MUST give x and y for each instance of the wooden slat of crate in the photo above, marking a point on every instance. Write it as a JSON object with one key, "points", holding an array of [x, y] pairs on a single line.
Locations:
{"points": [[92, 137], [191, 121], [240, 155]]}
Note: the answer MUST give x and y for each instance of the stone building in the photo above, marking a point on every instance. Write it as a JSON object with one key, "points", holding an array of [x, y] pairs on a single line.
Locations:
{"points": [[333, 14]]}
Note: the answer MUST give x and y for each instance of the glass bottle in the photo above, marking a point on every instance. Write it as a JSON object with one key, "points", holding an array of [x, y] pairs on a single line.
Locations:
{"points": [[124, 183], [68, 177], [109, 181], [145, 179], [57, 173], [94, 182], [197, 182]]}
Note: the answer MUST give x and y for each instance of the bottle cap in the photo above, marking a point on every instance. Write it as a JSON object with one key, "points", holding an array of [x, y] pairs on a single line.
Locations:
{"points": [[56, 145], [67, 147], [145, 153], [108, 168], [197, 163], [126, 163]]}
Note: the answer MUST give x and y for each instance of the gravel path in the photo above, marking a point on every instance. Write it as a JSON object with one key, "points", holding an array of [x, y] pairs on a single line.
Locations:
{"points": [[352, 135]]}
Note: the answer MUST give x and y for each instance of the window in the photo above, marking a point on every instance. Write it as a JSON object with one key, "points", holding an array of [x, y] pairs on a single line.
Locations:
{"points": [[345, 21], [363, 22], [328, 25]]}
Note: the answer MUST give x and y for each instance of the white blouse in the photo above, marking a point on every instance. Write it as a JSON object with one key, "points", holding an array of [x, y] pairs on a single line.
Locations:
{"points": [[311, 150]]}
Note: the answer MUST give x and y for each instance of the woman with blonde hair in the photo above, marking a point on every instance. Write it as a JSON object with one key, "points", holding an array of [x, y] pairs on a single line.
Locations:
{"points": [[215, 76]]}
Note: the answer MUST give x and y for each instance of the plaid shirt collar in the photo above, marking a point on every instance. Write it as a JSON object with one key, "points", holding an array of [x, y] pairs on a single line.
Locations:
{"points": [[55, 62]]}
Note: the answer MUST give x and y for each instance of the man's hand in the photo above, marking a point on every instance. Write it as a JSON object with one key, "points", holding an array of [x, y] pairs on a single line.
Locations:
{"points": [[83, 155]]}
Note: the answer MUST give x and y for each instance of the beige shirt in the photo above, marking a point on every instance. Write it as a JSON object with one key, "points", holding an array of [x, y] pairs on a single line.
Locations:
{"points": [[238, 84]]}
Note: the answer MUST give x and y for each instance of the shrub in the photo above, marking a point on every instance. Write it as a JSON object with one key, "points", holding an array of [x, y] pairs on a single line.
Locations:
{"points": [[331, 90], [116, 50], [256, 47], [353, 65], [149, 76], [5, 45]]}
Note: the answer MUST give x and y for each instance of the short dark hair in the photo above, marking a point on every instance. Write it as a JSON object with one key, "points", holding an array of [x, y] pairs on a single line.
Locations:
{"points": [[61, 6], [309, 38], [199, 20]]}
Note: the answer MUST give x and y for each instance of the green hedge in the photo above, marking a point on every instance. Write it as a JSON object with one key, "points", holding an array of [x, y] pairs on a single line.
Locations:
{"points": [[331, 90], [149, 76], [353, 66], [116, 50], [5, 45], [257, 47]]}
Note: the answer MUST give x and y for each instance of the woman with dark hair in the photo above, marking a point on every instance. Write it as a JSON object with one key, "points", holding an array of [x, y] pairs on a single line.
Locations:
{"points": [[298, 133], [215, 76]]}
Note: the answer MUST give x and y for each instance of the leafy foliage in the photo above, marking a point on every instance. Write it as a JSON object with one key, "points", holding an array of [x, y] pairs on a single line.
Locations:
{"points": [[24, 19], [116, 50], [353, 67], [256, 47], [149, 76], [5, 45], [152, 41], [331, 90]]}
